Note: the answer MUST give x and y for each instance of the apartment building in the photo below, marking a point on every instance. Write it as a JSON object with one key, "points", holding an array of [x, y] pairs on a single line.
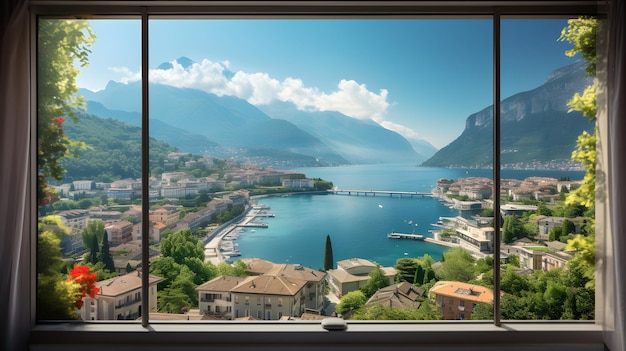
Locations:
{"points": [[457, 300], [120, 298], [314, 288], [269, 298]]}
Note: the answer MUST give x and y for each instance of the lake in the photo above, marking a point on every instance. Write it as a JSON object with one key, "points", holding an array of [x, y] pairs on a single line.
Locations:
{"points": [[358, 225]]}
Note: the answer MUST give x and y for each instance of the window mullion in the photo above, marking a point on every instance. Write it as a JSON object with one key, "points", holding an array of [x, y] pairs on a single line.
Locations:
{"points": [[145, 173], [496, 169]]}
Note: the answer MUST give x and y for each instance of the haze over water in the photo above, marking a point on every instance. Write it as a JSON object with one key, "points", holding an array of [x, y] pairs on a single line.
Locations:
{"points": [[358, 225]]}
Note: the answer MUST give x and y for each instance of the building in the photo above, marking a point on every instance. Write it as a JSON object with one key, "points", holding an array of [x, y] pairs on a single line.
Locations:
{"points": [[83, 185], [298, 184], [456, 300], [546, 223], [215, 298], [75, 220], [119, 232], [352, 274], [120, 298], [401, 295], [314, 289], [474, 234], [167, 215], [270, 298]]}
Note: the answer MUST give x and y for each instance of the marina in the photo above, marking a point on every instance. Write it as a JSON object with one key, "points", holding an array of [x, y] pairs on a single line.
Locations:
{"points": [[223, 248]]}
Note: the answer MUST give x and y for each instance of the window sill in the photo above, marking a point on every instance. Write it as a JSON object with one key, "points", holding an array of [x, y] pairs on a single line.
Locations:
{"points": [[448, 335]]}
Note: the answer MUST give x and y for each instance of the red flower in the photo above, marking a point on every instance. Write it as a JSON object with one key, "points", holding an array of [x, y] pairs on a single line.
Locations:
{"points": [[59, 120], [86, 282]]}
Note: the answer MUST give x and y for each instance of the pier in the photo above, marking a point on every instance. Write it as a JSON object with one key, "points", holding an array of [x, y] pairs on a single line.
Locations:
{"points": [[389, 193], [394, 235]]}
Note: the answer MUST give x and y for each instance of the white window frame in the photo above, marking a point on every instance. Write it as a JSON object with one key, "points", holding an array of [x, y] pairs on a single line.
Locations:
{"points": [[446, 335]]}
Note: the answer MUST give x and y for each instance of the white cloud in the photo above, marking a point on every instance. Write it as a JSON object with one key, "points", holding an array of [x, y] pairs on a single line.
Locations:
{"points": [[354, 100], [400, 129], [351, 98], [127, 75]]}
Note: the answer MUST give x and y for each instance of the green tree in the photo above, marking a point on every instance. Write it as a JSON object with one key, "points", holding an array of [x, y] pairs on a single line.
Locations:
{"points": [[407, 269], [555, 233], [567, 227], [353, 300], [92, 236], [54, 296], [512, 229], [377, 280], [581, 33], [60, 44], [105, 253], [180, 245], [329, 261], [458, 265]]}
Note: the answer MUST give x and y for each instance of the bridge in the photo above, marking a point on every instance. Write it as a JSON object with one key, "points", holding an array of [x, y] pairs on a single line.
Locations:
{"points": [[389, 193]]}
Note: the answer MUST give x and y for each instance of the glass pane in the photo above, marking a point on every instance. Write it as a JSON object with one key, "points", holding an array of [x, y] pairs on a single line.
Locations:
{"points": [[89, 164], [290, 151], [548, 215]]}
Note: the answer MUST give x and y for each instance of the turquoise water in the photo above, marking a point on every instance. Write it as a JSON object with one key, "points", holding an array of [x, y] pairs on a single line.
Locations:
{"points": [[358, 225]]}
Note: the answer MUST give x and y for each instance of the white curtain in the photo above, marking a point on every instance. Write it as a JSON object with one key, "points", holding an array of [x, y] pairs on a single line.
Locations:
{"points": [[14, 177], [614, 269]]}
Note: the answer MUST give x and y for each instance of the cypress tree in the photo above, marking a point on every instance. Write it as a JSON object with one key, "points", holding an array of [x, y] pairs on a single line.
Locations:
{"points": [[105, 255], [328, 255], [93, 249]]}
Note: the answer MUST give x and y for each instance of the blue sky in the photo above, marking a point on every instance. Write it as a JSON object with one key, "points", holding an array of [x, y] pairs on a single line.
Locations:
{"points": [[421, 78]]}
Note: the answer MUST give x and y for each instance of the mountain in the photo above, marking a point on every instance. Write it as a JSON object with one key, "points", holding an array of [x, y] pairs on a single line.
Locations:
{"points": [[535, 126], [183, 116], [113, 149], [179, 138], [360, 141]]}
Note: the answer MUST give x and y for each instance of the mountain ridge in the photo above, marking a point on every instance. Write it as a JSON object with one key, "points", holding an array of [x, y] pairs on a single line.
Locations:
{"points": [[536, 126]]}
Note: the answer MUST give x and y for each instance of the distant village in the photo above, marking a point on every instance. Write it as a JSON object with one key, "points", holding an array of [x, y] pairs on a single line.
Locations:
{"points": [[273, 291]]}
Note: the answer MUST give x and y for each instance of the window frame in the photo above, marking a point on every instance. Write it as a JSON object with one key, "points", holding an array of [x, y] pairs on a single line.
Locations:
{"points": [[454, 334]]}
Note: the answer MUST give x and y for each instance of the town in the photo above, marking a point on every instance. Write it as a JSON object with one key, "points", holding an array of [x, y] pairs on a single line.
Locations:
{"points": [[255, 288]]}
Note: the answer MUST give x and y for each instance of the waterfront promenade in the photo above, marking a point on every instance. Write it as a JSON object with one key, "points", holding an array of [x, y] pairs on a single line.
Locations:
{"points": [[249, 218]]}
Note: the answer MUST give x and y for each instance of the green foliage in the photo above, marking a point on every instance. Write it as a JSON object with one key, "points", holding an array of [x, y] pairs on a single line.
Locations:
{"points": [[54, 298], [512, 229], [329, 261], [114, 149], [237, 269], [353, 300], [457, 265], [426, 311], [484, 264], [584, 261], [555, 294], [320, 184], [92, 236], [407, 270], [376, 281], [180, 245], [581, 33], [555, 233], [105, 254], [514, 260], [60, 44], [482, 311]]}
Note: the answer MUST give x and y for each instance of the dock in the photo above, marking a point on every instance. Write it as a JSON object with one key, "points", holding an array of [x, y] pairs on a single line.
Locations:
{"points": [[390, 193], [395, 235]]}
